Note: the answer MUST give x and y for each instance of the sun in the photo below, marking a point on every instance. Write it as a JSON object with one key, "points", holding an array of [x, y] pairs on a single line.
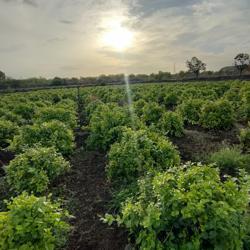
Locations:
{"points": [[116, 36], [119, 38]]}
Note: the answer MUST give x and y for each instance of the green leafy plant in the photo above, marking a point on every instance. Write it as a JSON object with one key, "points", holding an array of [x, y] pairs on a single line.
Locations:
{"points": [[217, 115], [49, 134], [230, 161], [5, 114], [246, 240], [25, 110], [245, 138], [59, 114], [138, 152], [35, 169], [106, 125], [33, 223], [191, 110], [187, 207], [7, 131], [152, 113], [91, 107], [138, 106], [171, 124], [233, 95], [171, 100], [244, 112]]}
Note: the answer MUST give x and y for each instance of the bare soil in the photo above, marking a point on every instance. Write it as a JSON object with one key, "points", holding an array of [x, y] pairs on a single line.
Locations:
{"points": [[197, 144], [89, 195]]}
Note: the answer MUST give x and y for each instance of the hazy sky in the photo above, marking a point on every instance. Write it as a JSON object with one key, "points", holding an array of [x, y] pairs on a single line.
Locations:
{"points": [[67, 37]]}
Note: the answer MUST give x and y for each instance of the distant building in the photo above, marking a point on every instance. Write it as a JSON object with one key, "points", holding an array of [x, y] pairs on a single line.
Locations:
{"points": [[232, 70]]}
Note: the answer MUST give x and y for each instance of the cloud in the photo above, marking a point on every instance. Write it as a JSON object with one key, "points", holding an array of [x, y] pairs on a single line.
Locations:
{"points": [[71, 68], [207, 29], [148, 7], [55, 40], [12, 48], [32, 3], [62, 37]]}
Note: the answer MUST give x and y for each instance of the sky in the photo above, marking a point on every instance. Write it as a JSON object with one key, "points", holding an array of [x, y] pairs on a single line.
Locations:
{"points": [[73, 38]]}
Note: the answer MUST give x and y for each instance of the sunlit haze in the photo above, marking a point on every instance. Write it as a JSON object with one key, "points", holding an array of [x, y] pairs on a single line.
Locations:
{"points": [[116, 36], [73, 38]]}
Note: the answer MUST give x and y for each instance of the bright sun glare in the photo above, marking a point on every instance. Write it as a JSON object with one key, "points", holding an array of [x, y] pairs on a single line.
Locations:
{"points": [[116, 36]]}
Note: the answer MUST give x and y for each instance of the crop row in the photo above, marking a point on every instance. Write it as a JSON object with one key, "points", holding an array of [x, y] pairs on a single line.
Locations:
{"points": [[163, 202], [38, 128]]}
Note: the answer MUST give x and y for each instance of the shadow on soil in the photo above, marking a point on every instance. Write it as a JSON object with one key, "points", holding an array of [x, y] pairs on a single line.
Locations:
{"points": [[89, 195]]}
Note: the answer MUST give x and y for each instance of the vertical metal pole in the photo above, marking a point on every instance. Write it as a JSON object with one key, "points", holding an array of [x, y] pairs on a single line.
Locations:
{"points": [[79, 107]]}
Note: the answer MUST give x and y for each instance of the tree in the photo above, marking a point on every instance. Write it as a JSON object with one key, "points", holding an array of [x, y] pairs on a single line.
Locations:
{"points": [[195, 66], [182, 73], [58, 81], [241, 62], [161, 76], [2, 76]]}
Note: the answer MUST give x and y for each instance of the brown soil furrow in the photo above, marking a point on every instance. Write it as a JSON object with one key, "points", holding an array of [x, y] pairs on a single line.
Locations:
{"points": [[89, 195]]}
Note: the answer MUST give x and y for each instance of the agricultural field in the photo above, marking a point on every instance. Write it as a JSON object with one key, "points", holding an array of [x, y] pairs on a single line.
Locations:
{"points": [[150, 166]]}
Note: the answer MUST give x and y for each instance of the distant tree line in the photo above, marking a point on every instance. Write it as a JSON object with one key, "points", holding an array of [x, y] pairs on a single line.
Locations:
{"points": [[196, 68], [241, 63], [2, 76]]}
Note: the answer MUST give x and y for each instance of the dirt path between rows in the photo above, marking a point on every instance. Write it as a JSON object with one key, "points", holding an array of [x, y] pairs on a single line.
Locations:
{"points": [[88, 194]]}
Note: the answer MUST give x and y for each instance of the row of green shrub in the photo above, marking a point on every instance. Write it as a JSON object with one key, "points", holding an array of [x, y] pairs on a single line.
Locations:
{"points": [[18, 114], [35, 169], [53, 132], [187, 207], [33, 223], [213, 106], [106, 121], [29, 221], [162, 203], [217, 115]]}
